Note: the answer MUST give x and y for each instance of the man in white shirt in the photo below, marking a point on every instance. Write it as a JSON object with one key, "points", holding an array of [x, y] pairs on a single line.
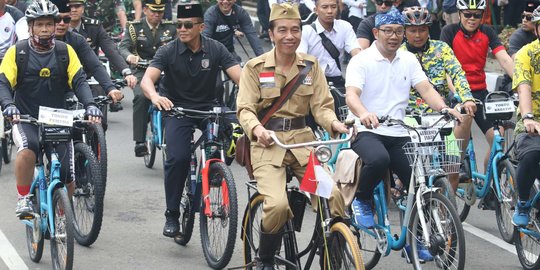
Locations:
{"points": [[340, 34], [14, 24], [378, 83]]}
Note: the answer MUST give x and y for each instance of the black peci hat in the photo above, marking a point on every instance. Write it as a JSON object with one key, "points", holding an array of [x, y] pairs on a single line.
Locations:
{"points": [[62, 5], [531, 5], [189, 10]]}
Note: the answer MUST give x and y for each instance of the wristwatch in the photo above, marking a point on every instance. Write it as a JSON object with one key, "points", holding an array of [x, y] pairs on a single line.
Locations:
{"points": [[126, 72], [529, 116]]}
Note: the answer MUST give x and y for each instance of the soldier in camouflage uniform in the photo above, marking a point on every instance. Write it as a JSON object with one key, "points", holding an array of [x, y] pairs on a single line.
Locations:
{"points": [[141, 41], [107, 11]]}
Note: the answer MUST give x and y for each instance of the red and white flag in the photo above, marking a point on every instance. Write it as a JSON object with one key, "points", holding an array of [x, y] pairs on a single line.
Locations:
{"points": [[316, 179]]}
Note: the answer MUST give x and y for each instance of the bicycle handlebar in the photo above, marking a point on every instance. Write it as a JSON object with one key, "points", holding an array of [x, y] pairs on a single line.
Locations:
{"points": [[179, 111], [25, 118], [313, 143]]}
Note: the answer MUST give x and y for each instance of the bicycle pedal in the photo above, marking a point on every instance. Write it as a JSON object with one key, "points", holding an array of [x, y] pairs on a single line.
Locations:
{"points": [[26, 217]]}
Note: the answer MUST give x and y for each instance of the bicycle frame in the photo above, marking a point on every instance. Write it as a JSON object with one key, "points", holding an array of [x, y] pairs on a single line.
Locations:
{"points": [[46, 190], [157, 130], [496, 154]]}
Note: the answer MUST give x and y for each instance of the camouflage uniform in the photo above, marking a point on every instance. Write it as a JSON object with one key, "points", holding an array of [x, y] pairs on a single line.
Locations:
{"points": [[105, 11]]}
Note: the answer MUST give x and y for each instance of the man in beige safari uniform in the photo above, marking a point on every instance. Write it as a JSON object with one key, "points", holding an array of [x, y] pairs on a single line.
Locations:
{"points": [[260, 84]]}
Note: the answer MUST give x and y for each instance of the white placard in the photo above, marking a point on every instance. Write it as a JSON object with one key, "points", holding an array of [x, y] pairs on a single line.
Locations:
{"points": [[53, 116], [500, 107], [426, 135]]}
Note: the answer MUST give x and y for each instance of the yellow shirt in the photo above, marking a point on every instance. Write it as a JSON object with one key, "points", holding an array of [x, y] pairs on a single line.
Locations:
{"points": [[527, 71]]}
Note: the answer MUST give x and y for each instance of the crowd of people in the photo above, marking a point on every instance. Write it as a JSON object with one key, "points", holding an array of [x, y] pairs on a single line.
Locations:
{"points": [[401, 55]]}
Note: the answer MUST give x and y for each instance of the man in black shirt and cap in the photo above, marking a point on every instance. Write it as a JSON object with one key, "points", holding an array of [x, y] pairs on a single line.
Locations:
{"points": [[191, 66]]}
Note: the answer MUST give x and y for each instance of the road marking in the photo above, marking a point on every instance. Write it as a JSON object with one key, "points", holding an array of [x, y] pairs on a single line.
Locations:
{"points": [[489, 237], [9, 255]]}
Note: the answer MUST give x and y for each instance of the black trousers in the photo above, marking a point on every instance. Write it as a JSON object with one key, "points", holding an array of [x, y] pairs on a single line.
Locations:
{"points": [[380, 153], [178, 134]]}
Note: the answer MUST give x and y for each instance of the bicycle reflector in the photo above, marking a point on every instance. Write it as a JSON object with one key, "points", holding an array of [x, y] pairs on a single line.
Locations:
{"points": [[323, 153]]}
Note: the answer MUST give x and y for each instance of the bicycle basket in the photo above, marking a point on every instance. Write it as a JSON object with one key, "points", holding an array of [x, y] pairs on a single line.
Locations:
{"points": [[55, 134], [434, 158], [498, 106]]}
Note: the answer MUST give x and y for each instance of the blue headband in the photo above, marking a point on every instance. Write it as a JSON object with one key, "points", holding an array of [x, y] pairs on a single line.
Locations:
{"points": [[393, 16]]}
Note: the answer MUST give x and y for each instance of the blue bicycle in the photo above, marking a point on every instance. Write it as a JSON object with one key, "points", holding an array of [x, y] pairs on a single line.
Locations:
{"points": [[428, 217], [497, 184], [53, 215], [527, 239], [154, 136]]}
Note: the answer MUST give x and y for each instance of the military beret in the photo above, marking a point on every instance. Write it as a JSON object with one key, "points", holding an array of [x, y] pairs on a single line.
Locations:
{"points": [[284, 11], [393, 16], [189, 10]]}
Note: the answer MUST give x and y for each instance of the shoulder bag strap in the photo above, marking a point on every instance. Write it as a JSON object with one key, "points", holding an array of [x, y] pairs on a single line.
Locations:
{"points": [[287, 91]]}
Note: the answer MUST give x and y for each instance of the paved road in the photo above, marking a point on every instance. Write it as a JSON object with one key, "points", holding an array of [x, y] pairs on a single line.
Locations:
{"points": [[133, 220]]}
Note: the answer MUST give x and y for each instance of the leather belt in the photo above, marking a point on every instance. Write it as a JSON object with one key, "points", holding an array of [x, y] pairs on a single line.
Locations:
{"points": [[286, 124]]}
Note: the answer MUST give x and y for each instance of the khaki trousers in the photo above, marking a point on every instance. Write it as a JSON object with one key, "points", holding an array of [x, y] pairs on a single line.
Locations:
{"points": [[271, 183]]}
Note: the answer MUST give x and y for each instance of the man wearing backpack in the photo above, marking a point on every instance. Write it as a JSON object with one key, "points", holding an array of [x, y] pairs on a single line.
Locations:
{"points": [[52, 67]]}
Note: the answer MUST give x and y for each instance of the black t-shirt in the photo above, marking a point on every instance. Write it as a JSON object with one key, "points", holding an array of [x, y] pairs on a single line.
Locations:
{"points": [[518, 39], [190, 78], [365, 29]]}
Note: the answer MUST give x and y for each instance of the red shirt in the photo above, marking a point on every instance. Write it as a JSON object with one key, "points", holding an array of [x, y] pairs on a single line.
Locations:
{"points": [[471, 51]]}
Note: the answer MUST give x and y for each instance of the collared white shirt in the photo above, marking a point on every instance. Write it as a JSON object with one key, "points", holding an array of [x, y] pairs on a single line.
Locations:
{"points": [[354, 10], [343, 37], [384, 85]]}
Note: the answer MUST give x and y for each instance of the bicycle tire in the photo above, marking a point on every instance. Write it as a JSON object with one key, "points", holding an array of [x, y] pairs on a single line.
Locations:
{"points": [[505, 210], [461, 206], [446, 189], [7, 144], [449, 241], [216, 257], [62, 248], [187, 215], [98, 143], [35, 246], [88, 196], [524, 243], [150, 155], [370, 252], [341, 234]]}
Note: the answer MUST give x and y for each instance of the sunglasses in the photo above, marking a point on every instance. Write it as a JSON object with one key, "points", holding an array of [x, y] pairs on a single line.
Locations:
{"points": [[472, 15], [386, 3], [64, 19], [186, 24], [527, 17]]}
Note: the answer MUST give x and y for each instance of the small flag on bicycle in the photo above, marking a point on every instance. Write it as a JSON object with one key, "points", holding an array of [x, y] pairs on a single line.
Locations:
{"points": [[316, 179]]}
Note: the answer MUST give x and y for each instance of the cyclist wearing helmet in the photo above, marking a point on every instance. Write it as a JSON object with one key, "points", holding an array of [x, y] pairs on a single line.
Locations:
{"points": [[526, 82], [471, 42], [438, 61], [41, 83]]}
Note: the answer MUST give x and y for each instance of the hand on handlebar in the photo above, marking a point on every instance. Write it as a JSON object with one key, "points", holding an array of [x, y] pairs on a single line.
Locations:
{"points": [[131, 81], [162, 103], [369, 120], [453, 113], [132, 59], [116, 95], [468, 108], [340, 127], [238, 34], [11, 112], [263, 136], [532, 127]]}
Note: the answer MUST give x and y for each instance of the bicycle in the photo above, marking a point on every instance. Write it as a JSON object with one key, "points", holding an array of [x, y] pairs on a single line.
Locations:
{"points": [[527, 239], [498, 180], [210, 190], [427, 216], [52, 211], [90, 158], [6, 141], [331, 237]]}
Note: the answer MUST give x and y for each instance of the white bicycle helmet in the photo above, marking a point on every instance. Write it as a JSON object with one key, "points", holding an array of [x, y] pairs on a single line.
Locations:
{"points": [[471, 4], [416, 16], [41, 8]]}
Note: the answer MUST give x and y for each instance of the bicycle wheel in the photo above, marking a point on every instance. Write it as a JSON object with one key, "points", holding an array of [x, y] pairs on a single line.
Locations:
{"points": [[368, 246], [98, 143], [34, 236], [218, 231], [150, 156], [251, 231], [446, 189], [505, 209], [62, 240], [447, 239], [528, 246], [343, 249], [187, 215], [88, 195], [464, 192]]}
